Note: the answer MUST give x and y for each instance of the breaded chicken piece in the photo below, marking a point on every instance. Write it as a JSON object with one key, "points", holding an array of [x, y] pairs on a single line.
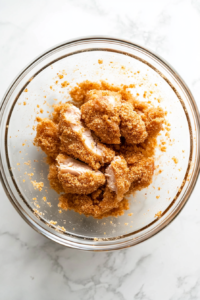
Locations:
{"points": [[47, 137], [131, 153], [76, 177], [78, 142], [85, 204], [101, 114], [141, 173], [141, 165], [117, 177], [53, 178], [95, 94], [132, 127], [154, 119], [104, 201]]}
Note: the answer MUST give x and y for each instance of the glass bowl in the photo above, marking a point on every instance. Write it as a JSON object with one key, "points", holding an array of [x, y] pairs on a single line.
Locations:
{"points": [[21, 162]]}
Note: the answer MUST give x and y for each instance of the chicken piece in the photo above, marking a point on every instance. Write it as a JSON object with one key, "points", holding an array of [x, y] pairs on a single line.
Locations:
{"points": [[57, 111], [76, 177], [154, 119], [84, 204], [95, 94], [141, 173], [53, 178], [101, 114], [117, 177], [140, 163], [131, 153], [47, 137], [132, 127], [104, 201], [77, 141]]}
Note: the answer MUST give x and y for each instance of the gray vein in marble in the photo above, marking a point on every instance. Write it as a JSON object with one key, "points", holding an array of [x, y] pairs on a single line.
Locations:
{"points": [[91, 6]]}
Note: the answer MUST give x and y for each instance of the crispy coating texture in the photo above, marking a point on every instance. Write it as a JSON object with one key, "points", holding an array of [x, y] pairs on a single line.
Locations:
{"points": [[72, 144], [95, 94], [53, 178], [87, 205], [101, 114], [141, 165], [154, 119], [47, 137], [80, 182], [132, 127], [57, 111], [82, 92], [141, 174]]}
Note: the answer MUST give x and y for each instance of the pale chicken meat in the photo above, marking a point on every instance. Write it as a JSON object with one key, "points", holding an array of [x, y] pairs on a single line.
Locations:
{"points": [[132, 126], [53, 178], [77, 177], [117, 177], [78, 142], [101, 115]]}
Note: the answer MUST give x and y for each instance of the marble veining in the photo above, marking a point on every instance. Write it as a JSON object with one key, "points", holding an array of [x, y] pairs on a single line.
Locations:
{"points": [[165, 267]]}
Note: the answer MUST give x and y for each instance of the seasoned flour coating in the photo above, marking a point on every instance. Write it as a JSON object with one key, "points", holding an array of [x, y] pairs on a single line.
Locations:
{"points": [[153, 119], [53, 178], [132, 126], [47, 137], [78, 142], [77, 177], [101, 114], [141, 172], [90, 206]]}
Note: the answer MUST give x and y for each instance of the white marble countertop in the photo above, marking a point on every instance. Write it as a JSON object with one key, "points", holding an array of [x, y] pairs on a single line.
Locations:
{"points": [[165, 267]]}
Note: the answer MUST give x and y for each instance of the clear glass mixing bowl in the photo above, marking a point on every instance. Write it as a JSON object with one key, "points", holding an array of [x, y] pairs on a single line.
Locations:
{"points": [[21, 162]]}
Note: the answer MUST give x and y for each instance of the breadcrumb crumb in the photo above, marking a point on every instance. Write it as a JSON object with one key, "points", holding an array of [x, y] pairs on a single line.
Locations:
{"points": [[158, 215], [37, 185], [175, 159]]}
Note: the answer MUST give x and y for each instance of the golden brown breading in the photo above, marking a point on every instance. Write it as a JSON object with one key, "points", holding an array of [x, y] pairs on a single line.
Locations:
{"points": [[47, 137], [95, 94], [76, 177], [141, 173], [117, 177], [57, 110], [132, 127], [141, 164], [78, 142], [80, 93], [154, 119], [101, 114], [53, 178], [84, 204], [131, 170]]}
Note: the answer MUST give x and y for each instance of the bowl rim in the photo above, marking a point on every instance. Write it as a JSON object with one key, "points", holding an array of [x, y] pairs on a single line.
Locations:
{"points": [[121, 244]]}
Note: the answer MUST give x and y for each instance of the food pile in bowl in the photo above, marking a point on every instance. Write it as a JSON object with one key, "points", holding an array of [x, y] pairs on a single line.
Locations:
{"points": [[100, 147], [99, 144]]}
